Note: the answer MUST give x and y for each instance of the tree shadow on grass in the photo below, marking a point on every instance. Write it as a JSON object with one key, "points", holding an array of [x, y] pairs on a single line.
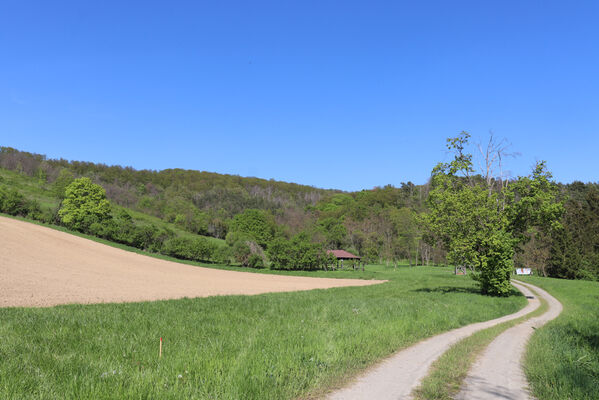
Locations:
{"points": [[459, 289]]}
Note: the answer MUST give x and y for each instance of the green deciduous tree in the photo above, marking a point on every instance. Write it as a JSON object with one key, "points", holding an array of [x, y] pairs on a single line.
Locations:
{"points": [[85, 203], [535, 213], [481, 226], [470, 222]]}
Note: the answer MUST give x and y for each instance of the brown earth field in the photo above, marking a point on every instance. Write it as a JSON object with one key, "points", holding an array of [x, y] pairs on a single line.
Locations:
{"points": [[41, 267]]}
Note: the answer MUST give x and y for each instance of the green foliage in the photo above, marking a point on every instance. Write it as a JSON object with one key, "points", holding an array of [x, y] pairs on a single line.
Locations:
{"points": [[574, 251], [14, 203], [85, 203], [535, 202], [244, 250], [299, 253], [334, 232], [336, 203], [196, 249], [471, 223], [64, 179], [495, 263], [406, 226], [223, 255], [255, 224], [534, 213]]}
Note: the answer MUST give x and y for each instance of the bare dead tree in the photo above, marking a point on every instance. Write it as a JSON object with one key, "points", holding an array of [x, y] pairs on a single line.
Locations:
{"points": [[492, 157]]}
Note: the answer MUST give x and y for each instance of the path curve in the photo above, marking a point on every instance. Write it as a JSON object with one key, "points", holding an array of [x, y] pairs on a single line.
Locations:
{"points": [[396, 377], [40, 266], [498, 373]]}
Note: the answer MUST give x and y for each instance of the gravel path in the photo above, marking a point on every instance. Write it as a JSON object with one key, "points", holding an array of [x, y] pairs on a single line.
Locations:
{"points": [[40, 267], [398, 375], [498, 373]]}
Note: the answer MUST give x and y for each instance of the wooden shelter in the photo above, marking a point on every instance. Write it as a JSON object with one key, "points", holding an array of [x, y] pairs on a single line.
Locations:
{"points": [[342, 255]]}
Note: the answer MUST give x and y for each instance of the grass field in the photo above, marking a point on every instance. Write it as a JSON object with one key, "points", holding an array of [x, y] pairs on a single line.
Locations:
{"points": [[272, 346], [562, 360]]}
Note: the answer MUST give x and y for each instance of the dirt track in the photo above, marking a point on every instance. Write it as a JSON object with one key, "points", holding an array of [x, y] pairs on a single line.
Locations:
{"points": [[498, 373], [397, 376], [40, 267]]}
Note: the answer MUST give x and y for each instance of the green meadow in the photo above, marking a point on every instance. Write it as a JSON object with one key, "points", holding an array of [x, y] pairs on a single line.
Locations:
{"points": [[562, 360], [272, 346]]}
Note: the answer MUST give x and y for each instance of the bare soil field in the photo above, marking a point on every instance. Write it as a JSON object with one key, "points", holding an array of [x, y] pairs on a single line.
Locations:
{"points": [[42, 267]]}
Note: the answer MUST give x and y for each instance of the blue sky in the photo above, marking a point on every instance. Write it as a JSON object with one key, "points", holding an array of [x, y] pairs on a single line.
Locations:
{"points": [[346, 95]]}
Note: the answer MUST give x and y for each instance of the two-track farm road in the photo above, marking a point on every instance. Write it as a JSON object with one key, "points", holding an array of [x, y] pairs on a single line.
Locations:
{"points": [[40, 266], [498, 373], [397, 376]]}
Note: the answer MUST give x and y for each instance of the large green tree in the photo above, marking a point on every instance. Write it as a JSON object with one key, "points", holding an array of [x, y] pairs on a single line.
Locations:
{"points": [[481, 225], [84, 204], [470, 221]]}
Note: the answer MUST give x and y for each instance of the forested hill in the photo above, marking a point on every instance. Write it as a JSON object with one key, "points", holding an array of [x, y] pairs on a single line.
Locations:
{"points": [[200, 201], [287, 225], [380, 224]]}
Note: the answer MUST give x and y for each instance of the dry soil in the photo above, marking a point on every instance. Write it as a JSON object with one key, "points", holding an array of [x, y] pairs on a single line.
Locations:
{"points": [[41, 267]]}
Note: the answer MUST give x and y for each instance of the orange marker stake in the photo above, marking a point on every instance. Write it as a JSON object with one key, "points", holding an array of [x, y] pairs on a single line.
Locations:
{"points": [[160, 352]]}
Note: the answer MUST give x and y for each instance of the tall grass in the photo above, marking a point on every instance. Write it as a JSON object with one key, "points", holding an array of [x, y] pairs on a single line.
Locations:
{"points": [[272, 346], [562, 359]]}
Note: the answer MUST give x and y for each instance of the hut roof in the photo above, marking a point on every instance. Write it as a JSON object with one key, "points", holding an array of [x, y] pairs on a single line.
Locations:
{"points": [[342, 254]]}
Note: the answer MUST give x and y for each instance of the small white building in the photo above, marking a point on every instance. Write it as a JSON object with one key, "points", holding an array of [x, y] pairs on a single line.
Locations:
{"points": [[523, 271]]}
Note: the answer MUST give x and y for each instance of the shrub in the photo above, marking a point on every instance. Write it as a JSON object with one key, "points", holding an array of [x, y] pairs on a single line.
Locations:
{"points": [[299, 253], [196, 249], [223, 255], [14, 203]]}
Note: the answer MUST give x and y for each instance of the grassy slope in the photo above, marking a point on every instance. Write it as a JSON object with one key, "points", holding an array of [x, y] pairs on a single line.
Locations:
{"points": [[32, 188], [268, 346], [562, 360]]}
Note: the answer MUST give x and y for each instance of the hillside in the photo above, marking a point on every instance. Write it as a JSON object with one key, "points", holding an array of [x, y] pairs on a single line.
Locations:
{"points": [[197, 201], [378, 223], [188, 214]]}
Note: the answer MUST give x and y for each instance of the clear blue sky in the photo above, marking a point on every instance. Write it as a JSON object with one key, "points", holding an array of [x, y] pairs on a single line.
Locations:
{"points": [[346, 95]]}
